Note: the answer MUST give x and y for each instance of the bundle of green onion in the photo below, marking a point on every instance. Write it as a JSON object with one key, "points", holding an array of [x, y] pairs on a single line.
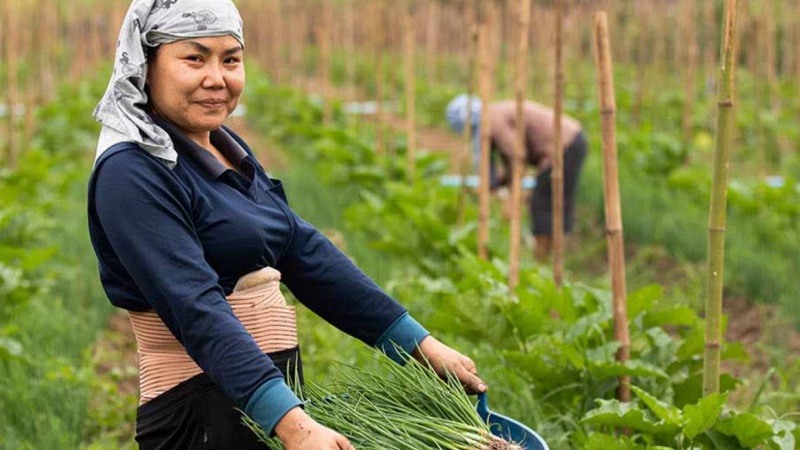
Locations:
{"points": [[397, 408]]}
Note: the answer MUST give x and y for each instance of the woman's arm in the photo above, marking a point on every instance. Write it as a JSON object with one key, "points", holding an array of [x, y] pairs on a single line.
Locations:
{"points": [[327, 281]]}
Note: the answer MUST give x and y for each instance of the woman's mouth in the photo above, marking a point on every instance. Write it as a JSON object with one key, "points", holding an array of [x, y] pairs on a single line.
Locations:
{"points": [[212, 104]]}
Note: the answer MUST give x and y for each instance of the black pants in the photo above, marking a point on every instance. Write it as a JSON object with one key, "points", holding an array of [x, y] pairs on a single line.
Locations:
{"points": [[542, 199], [196, 414]]}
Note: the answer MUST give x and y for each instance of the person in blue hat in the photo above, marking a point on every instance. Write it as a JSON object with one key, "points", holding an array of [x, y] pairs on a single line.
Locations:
{"points": [[539, 143]]}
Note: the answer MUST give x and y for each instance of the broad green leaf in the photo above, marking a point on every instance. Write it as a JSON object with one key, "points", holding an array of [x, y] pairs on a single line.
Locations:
{"points": [[750, 430], [719, 441], [635, 368], [627, 415], [691, 389], [599, 441], [643, 300], [703, 415], [735, 351], [662, 410], [605, 352], [676, 315]]}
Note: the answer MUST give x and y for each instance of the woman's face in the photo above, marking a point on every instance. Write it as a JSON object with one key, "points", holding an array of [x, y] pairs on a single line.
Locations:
{"points": [[196, 83]]}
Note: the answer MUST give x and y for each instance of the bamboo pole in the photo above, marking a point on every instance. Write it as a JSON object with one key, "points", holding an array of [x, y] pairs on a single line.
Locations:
{"points": [[557, 171], [410, 82], [323, 36], [709, 25], [29, 86], [379, 47], [432, 40], [613, 210], [466, 159], [518, 161], [350, 49], [12, 84], [296, 43], [690, 74], [770, 54], [642, 38], [719, 197], [485, 89]]}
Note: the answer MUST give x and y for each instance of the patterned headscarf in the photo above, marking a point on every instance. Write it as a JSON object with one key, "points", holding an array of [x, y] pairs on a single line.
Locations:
{"points": [[150, 23]]}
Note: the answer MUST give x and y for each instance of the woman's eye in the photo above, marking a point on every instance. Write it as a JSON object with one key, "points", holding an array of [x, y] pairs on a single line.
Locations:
{"points": [[194, 58], [233, 61]]}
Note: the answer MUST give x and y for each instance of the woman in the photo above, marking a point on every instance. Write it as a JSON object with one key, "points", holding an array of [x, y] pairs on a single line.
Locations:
{"points": [[192, 237]]}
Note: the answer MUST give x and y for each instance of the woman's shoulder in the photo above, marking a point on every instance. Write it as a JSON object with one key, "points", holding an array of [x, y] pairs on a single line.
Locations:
{"points": [[127, 166], [126, 157]]}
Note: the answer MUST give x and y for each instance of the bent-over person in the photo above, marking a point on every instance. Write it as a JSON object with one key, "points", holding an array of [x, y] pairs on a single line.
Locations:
{"points": [[539, 143]]}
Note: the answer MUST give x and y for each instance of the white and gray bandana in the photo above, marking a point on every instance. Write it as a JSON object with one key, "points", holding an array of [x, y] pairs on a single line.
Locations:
{"points": [[150, 23]]}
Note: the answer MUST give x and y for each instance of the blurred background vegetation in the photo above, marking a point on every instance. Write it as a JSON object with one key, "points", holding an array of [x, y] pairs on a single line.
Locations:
{"points": [[67, 360]]}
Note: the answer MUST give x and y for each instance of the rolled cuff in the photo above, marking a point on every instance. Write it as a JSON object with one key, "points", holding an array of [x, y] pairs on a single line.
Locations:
{"points": [[270, 402], [405, 333]]}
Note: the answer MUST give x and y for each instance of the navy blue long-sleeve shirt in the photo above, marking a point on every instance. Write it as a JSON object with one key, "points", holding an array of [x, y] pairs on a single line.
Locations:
{"points": [[176, 240]]}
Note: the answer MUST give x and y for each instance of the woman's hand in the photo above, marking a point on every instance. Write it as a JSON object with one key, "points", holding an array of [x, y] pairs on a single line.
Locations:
{"points": [[445, 360], [298, 431]]}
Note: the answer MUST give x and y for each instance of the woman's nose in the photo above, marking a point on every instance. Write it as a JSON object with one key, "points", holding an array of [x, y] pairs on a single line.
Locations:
{"points": [[214, 76]]}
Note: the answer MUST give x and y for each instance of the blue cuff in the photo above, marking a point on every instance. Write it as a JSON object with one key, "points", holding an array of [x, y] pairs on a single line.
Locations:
{"points": [[406, 333], [270, 402]]}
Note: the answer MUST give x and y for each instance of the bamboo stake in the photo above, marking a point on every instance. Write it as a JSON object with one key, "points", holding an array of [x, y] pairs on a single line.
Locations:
{"points": [[466, 159], [29, 89], [691, 64], [297, 47], [557, 171], [350, 49], [410, 79], [769, 51], [641, 69], [12, 88], [267, 47], [379, 48], [485, 89], [431, 41], [324, 44], [709, 25], [518, 161], [719, 197], [613, 210]]}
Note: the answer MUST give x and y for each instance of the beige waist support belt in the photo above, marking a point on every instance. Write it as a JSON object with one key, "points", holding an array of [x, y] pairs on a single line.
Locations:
{"points": [[258, 304]]}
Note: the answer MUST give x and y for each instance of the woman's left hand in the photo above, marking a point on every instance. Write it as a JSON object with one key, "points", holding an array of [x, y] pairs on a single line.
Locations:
{"points": [[444, 360]]}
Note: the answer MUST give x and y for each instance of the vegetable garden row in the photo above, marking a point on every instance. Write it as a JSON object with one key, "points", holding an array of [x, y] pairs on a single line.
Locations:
{"points": [[547, 352]]}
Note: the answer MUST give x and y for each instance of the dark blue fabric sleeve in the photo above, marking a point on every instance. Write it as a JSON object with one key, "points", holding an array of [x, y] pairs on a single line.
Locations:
{"points": [[326, 281], [146, 215]]}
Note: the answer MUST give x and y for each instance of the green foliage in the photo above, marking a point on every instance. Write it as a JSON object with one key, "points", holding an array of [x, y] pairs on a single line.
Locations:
{"points": [[705, 424], [51, 305], [557, 344]]}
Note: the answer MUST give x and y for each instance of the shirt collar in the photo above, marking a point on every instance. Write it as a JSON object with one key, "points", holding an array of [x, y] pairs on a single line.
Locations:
{"points": [[221, 139]]}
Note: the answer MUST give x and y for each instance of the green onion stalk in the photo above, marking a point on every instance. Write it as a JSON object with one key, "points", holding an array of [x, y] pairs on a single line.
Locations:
{"points": [[396, 408]]}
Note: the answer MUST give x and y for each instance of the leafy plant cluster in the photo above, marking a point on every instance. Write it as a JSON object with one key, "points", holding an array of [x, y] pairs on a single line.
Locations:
{"points": [[557, 343], [29, 194]]}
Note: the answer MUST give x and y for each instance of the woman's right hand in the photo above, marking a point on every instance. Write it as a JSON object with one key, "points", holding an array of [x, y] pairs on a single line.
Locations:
{"points": [[298, 431]]}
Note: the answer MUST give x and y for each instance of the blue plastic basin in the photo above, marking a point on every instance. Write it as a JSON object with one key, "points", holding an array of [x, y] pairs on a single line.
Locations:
{"points": [[508, 428]]}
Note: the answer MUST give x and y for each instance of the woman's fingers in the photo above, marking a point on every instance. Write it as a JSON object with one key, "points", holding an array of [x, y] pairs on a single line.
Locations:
{"points": [[445, 360], [344, 443], [473, 384]]}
